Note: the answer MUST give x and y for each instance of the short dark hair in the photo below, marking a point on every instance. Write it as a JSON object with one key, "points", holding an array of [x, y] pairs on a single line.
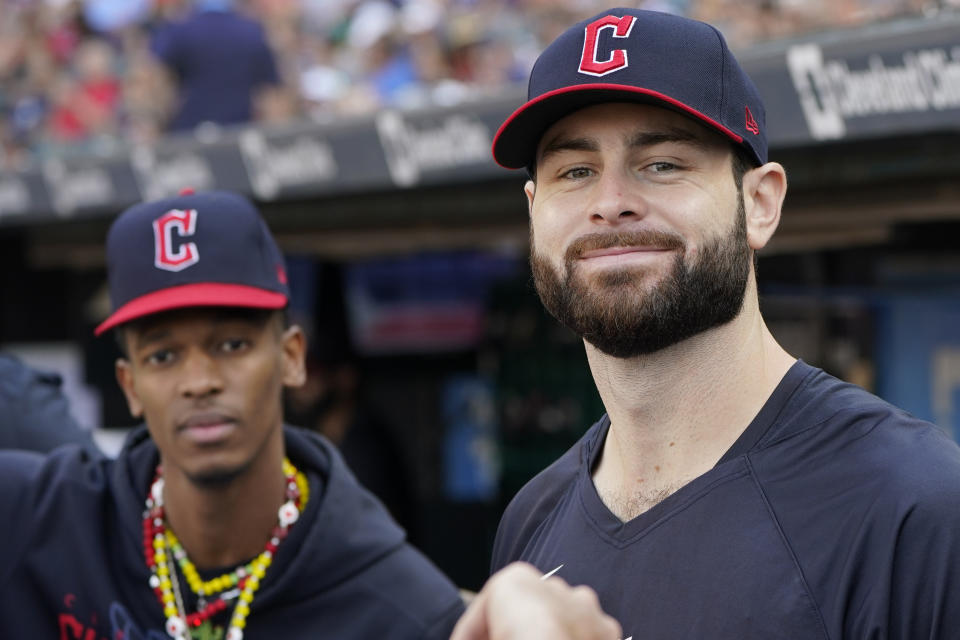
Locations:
{"points": [[740, 162]]}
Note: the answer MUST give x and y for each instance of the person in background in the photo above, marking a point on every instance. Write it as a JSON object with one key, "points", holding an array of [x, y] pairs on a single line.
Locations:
{"points": [[221, 64], [331, 403], [34, 412]]}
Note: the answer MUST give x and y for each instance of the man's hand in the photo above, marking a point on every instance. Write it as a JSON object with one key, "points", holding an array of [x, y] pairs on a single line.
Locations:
{"points": [[516, 604]]}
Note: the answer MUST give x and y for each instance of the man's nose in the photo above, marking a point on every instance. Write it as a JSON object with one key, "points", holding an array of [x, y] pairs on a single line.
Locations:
{"points": [[200, 375], [616, 200]]}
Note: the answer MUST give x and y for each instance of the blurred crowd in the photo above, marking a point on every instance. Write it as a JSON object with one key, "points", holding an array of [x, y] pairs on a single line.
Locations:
{"points": [[86, 76]]}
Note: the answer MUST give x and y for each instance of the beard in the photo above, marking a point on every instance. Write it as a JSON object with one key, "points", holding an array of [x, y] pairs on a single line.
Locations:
{"points": [[621, 317]]}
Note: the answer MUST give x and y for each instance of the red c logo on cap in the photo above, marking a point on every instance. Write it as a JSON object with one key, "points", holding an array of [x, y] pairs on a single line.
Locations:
{"points": [[184, 222], [618, 57]]}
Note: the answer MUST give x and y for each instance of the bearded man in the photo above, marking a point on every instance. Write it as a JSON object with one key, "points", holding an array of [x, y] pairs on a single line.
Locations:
{"points": [[730, 491]]}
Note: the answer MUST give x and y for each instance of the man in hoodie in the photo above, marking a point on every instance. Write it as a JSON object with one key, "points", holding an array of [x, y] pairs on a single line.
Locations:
{"points": [[216, 520]]}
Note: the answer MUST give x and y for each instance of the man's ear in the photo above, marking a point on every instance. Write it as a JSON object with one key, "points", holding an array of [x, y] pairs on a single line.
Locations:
{"points": [[124, 374], [764, 189], [530, 189], [294, 344]]}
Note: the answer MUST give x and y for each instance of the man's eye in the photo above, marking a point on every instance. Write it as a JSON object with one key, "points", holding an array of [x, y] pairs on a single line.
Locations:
{"points": [[662, 167], [578, 173], [234, 344], [164, 356]]}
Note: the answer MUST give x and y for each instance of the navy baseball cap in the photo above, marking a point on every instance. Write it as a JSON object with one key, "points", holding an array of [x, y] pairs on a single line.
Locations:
{"points": [[631, 55], [209, 249]]}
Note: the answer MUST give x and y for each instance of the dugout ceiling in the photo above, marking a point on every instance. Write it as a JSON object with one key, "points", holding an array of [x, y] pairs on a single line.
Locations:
{"points": [[867, 123]]}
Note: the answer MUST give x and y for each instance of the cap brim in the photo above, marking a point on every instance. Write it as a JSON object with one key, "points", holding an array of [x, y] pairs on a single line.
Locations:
{"points": [[207, 294], [516, 141]]}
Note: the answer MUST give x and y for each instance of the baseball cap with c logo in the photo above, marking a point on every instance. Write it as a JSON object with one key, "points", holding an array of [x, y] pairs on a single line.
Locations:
{"points": [[208, 249]]}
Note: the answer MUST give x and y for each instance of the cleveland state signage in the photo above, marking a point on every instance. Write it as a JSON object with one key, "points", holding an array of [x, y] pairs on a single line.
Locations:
{"points": [[835, 92], [891, 80]]}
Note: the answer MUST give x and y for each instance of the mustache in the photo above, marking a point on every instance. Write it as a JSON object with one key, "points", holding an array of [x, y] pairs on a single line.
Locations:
{"points": [[639, 238]]}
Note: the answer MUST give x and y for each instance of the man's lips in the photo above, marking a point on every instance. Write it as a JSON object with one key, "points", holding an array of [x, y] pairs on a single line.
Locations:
{"points": [[205, 419], [207, 427], [619, 251]]}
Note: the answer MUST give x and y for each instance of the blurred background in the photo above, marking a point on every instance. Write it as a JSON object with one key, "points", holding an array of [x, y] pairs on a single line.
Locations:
{"points": [[362, 129]]}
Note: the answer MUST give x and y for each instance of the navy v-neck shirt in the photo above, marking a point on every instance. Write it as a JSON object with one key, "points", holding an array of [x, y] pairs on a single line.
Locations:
{"points": [[834, 515]]}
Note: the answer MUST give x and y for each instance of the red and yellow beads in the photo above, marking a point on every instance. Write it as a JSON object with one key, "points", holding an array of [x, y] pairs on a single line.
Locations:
{"points": [[215, 595]]}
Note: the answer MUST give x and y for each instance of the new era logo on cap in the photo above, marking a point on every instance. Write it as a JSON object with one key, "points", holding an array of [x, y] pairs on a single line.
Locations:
{"points": [[632, 55], [193, 250], [750, 123]]}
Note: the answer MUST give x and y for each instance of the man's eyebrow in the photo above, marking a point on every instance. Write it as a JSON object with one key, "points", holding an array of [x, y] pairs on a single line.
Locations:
{"points": [[638, 140], [149, 335], [563, 143], [673, 134]]}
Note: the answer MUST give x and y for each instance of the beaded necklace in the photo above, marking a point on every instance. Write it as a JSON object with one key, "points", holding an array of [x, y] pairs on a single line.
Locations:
{"points": [[161, 549]]}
